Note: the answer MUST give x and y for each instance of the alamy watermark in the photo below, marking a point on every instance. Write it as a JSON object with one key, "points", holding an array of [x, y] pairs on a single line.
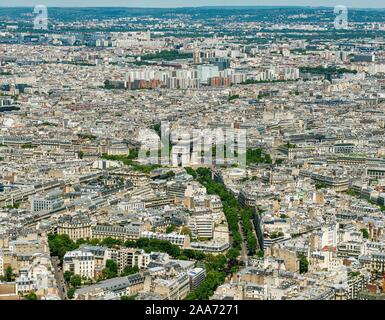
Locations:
{"points": [[40, 21], [341, 20]]}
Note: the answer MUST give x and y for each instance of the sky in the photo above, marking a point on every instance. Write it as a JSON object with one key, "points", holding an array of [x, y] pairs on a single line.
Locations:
{"points": [[191, 3]]}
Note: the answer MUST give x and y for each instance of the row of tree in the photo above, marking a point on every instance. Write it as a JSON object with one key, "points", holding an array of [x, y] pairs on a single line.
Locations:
{"points": [[216, 266], [230, 204], [220, 266], [255, 156], [59, 244], [326, 71], [130, 161], [74, 281], [216, 273], [232, 210], [247, 215]]}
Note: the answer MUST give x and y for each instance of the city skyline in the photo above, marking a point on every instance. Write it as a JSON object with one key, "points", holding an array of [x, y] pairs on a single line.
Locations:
{"points": [[192, 154], [194, 3]]}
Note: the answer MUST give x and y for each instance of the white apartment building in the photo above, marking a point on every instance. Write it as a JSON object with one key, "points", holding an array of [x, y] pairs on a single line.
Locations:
{"points": [[80, 263], [45, 204], [129, 257], [207, 71], [177, 239], [132, 205], [197, 276], [202, 226]]}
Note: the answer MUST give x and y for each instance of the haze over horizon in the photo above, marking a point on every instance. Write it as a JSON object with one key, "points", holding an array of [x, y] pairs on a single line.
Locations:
{"points": [[193, 3]]}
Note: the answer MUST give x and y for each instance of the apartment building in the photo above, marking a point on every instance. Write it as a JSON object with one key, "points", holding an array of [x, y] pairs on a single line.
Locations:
{"points": [[76, 227], [48, 203], [177, 239], [117, 287], [131, 257], [374, 261], [197, 276], [117, 232], [80, 263], [172, 289], [202, 226]]}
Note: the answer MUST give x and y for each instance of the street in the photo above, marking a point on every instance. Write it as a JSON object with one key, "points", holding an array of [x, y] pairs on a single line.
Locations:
{"points": [[59, 278]]}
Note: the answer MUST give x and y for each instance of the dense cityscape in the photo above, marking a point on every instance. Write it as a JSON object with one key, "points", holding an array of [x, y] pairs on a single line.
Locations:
{"points": [[192, 154]]}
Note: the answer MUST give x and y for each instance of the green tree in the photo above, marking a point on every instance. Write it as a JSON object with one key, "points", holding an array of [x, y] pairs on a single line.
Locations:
{"points": [[111, 242], [156, 245], [170, 174], [59, 244], [193, 254], [70, 293], [365, 233], [208, 286], [191, 172], [255, 156], [157, 128], [76, 281], [111, 269], [233, 253], [303, 263], [67, 276], [268, 159], [130, 244], [167, 55], [9, 275], [129, 161], [352, 192], [320, 185], [129, 270], [132, 297], [31, 296], [186, 231], [111, 264], [217, 262], [290, 145], [233, 97], [171, 228]]}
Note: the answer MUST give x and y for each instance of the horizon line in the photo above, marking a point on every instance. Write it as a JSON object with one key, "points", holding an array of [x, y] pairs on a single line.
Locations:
{"points": [[197, 7]]}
